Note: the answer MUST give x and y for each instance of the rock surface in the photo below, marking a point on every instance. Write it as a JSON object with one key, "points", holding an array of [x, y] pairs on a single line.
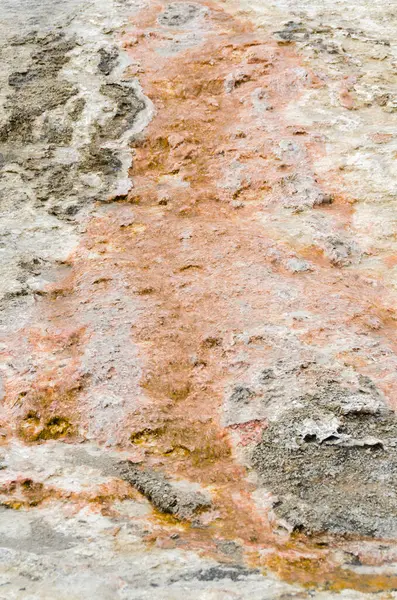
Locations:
{"points": [[197, 300]]}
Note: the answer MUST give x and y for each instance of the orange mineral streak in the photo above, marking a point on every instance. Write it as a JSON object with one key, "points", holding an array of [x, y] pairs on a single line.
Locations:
{"points": [[42, 403], [195, 243], [199, 259]]}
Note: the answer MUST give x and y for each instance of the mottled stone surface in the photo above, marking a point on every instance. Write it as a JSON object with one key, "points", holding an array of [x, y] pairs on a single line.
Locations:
{"points": [[197, 300]]}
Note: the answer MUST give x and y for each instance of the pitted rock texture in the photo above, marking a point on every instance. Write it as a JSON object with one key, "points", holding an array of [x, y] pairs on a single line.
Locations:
{"points": [[331, 462]]}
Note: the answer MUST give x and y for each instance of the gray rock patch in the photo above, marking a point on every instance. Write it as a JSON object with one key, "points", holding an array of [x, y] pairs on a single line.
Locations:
{"points": [[331, 462], [108, 60], [168, 497], [178, 14]]}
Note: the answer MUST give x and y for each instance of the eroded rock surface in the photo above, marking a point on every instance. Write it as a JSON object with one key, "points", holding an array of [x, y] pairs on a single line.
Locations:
{"points": [[169, 498], [197, 288], [331, 462], [67, 118]]}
